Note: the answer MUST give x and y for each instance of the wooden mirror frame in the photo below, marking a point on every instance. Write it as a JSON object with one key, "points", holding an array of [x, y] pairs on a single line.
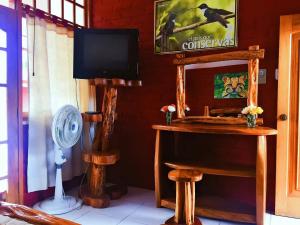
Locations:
{"points": [[253, 55]]}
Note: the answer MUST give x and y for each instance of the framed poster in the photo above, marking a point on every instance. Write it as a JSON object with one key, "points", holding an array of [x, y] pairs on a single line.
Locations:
{"points": [[194, 25], [231, 85]]}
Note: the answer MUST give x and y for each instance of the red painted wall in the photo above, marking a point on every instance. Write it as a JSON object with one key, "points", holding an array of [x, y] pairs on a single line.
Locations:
{"points": [[138, 108]]}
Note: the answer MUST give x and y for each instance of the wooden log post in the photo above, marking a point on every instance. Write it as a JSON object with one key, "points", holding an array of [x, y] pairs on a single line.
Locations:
{"points": [[95, 193], [108, 109], [180, 88], [101, 144], [253, 71]]}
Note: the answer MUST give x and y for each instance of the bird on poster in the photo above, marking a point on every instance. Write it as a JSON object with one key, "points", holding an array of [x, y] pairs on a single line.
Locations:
{"points": [[169, 25], [215, 15]]}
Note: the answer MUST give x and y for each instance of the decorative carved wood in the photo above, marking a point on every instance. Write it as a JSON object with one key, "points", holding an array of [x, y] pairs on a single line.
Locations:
{"points": [[180, 90], [102, 155], [252, 55], [253, 71], [237, 55]]}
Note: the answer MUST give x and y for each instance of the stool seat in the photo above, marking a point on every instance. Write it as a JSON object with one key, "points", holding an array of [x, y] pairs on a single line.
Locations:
{"points": [[185, 175]]}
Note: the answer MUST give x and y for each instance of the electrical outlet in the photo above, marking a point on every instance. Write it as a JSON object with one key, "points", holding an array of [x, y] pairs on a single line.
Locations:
{"points": [[262, 76], [276, 74]]}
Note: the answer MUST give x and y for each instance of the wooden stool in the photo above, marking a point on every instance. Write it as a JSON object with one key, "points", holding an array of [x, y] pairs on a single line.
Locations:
{"points": [[185, 197]]}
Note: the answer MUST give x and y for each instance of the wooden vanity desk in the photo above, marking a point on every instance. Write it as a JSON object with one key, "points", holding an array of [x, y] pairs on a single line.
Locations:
{"points": [[214, 207]]}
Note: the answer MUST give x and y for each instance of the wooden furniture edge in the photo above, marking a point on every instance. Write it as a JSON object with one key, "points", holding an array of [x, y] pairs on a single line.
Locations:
{"points": [[210, 212], [261, 179], [232, 110], [216, 120], [207, 168], [157, 169], [234, 55], [101, 158], [115, 82], [217, 129], [30, 215]]}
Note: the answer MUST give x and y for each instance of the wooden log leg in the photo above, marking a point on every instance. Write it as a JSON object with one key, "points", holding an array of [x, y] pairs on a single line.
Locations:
{"points": [[253, 71], [193, 197], [157, 169], [180, 199], [261, 179], [188, 204], [180, 91]]}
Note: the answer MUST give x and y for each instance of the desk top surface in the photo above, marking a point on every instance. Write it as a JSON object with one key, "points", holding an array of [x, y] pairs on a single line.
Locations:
{"points": [[217, 129]]}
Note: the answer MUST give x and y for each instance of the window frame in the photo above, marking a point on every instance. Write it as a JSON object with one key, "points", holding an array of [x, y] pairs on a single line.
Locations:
{"points": [[34, 11]]}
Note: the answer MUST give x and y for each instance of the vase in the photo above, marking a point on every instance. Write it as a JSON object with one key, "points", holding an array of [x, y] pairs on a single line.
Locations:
{"points": [[169, 118], [251, 120]]}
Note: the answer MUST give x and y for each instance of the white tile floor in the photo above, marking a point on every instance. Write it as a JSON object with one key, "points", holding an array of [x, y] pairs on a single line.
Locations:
{"points": [[138, 208]]}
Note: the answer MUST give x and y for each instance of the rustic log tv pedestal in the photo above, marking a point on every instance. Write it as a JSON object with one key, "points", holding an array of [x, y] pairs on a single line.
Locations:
{"points": [[102, 155], [213, 207]]}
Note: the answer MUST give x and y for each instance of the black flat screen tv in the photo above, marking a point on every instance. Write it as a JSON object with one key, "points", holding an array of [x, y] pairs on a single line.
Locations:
{"points": [[106, 53]]}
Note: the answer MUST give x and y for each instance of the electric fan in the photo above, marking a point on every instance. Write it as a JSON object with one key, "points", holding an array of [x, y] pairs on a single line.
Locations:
{"points": [[66, 131]]}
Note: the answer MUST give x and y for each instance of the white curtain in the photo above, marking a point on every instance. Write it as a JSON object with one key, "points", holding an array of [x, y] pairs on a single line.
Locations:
{"points": [[50, 52]]}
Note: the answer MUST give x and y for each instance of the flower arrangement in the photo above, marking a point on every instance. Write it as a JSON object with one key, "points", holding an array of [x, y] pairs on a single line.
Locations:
{"points": [[251, 113], [169, 110], [187, 108]]}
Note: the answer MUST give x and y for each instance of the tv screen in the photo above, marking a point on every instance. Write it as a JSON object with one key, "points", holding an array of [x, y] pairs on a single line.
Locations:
{"points": [[106, 53]]}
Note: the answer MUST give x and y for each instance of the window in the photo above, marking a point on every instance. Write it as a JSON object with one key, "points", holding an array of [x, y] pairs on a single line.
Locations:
{"points": [[3, 113], [25, 69], [67, 12], [73, 11], [7, 3]]}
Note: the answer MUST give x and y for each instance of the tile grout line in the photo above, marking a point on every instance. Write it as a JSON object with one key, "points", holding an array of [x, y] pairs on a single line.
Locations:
{"points": [[132, 213], [83, 215]]}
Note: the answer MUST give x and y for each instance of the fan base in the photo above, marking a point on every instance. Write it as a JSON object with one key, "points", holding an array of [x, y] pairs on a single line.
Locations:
{"points": [[58, 206]]}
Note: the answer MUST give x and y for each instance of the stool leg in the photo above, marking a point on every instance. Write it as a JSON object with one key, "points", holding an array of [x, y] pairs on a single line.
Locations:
{"points": [[193, 200], [188, 204], [179, 211]]}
